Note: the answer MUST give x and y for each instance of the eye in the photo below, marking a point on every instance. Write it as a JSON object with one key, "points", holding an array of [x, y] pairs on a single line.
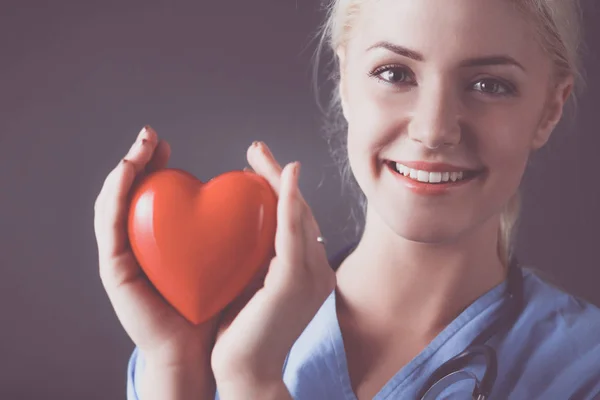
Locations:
{"points": [[393, 74], [493, 87]]}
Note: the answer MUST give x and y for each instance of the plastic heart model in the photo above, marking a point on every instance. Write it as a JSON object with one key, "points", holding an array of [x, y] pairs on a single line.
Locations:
{"points": [[200, 244]]}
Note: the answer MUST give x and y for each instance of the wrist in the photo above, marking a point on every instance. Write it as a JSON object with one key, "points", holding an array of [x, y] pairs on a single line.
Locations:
{"points": [[253, 388], [177, 360], [181, 381]]}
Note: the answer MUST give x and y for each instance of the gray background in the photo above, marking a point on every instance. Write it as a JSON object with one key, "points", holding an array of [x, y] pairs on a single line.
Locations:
{"points": [[77, 82]]}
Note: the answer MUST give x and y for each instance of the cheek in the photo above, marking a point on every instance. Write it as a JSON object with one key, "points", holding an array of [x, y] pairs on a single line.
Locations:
{"points": [[506, 131], [359, 155], [505, 152], [374, 119], [365, 123]]}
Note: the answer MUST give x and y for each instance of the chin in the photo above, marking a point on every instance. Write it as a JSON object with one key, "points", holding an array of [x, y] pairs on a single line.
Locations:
{"points": [[426, 230], [426, 234]]}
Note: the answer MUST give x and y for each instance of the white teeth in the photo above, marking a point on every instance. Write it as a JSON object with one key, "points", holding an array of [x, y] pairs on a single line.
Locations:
{"points": [[422, 176], [429, 177], [435, 177]]}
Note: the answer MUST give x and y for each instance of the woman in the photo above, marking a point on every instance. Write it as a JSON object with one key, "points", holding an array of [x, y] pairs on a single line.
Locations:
{"points": [[444, 102]]}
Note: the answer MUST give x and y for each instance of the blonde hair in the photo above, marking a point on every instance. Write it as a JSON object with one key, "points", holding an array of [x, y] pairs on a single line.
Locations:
{"points": [[558, 25]]}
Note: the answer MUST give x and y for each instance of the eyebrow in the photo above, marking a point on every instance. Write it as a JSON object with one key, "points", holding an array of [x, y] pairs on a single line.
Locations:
{"points": [[471, 62]]}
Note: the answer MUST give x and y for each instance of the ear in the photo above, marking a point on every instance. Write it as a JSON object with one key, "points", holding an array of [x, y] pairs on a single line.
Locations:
{"points": [[341, 54], [557, 98]]}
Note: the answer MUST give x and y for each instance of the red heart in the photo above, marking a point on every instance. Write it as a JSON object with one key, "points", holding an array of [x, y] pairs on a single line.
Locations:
{"points": [[201, 244]]}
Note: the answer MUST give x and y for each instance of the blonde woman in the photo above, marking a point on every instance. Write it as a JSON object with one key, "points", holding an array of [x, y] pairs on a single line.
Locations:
{"points": [[441, 104]]}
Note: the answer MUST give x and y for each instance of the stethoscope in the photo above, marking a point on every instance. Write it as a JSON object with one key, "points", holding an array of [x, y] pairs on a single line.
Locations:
{"points": [[453, 371]]}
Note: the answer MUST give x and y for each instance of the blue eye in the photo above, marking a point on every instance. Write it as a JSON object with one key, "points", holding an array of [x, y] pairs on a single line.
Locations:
{"points": [[493, 87]]}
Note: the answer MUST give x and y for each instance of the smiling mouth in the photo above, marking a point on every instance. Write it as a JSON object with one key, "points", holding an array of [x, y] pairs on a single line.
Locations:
{"points": [[436, 178]]}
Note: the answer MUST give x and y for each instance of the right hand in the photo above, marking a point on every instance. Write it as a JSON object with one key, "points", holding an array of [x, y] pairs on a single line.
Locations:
{"points": [[163, 336]]}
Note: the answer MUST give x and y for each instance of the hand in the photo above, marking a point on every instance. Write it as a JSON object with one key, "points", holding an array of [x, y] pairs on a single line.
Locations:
{"points": [[166, 340], [251, 350]]}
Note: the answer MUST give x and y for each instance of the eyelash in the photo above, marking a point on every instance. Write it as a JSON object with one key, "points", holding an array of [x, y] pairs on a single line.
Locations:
{"points": [[508, 88]]}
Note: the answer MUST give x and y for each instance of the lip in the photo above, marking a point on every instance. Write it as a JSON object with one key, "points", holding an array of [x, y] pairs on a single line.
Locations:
{"points": [[432, 189], [434, 167]]}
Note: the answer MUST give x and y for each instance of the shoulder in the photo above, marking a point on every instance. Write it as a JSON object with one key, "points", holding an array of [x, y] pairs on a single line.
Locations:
{"points": [[546, 302], [554, 343], [567, 325], [552, 315]]}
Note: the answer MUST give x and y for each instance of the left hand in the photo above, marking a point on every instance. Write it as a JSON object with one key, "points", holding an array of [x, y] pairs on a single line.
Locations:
{"points": [[251, 350]]}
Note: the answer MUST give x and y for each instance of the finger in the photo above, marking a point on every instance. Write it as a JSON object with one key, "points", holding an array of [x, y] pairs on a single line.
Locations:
{"points": [[142, 150], [289, 238], [316, 254], [262, 161], [303, 229], [112, 233], [161, 156], [146, 136]]}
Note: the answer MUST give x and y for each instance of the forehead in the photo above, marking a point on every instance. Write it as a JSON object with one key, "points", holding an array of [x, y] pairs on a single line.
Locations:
{"points": [[448, 29]]}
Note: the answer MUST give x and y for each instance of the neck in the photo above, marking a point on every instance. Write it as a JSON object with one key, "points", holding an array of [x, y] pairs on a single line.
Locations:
{"points": [[389, 281]]}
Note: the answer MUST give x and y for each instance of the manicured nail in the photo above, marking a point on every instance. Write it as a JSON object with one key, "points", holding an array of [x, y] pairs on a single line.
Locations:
{"points": [[146, 132]]}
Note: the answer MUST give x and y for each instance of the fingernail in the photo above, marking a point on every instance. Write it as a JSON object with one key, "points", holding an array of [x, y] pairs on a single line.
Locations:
{"points": [[146, 132], [296, 168], [255, 143]]}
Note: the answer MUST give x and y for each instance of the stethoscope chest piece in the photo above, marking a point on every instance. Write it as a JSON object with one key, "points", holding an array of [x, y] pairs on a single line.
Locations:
{"points": [[462, 383]]}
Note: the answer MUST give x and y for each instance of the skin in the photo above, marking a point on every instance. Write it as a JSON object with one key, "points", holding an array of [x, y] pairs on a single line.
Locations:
{"points": [[241, 352], [177, 353], [421, 259], [429, 257]]}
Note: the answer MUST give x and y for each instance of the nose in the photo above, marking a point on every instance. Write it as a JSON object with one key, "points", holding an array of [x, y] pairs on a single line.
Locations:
{"points": [[435, 120]]}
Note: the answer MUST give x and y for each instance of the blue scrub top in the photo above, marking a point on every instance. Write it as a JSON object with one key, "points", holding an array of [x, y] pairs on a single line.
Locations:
{"points": [[551, 352]]}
